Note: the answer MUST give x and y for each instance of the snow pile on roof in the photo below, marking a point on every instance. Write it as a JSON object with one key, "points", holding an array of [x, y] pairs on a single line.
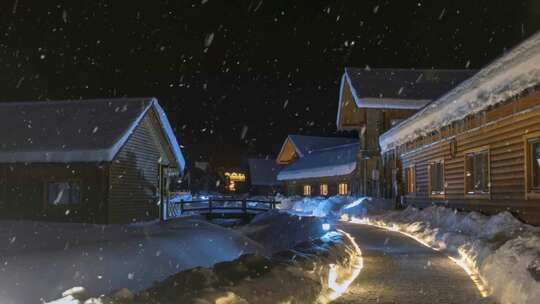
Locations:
{"points": [[305, 144], [48, 258], [263, 172], [501, 254], [506, 77], [314, 271], [75, 131], [331, 161], [399, 88]]}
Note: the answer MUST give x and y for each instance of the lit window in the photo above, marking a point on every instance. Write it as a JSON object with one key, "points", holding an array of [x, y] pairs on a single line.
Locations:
{"points": [[307, 190], [63, 193], [477, 172], [410, 180], [436, 178], [343, 189], [324, 189]]}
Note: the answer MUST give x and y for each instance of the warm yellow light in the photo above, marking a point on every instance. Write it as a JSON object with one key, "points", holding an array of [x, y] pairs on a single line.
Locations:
{"points": [[465, 261], [235, 176]]}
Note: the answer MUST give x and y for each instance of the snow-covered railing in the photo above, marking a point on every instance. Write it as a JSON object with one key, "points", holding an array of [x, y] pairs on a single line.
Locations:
{"points": [[221, 208]]}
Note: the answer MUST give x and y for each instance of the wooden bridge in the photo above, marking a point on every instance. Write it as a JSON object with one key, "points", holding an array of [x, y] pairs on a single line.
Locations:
{"points": [[220, 208]]}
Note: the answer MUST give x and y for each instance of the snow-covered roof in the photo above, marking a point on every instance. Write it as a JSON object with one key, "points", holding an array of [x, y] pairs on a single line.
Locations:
{"points": [[507, 76], [304, 144], [406, 89], [75, 131], [326, 162], [263, 172]]}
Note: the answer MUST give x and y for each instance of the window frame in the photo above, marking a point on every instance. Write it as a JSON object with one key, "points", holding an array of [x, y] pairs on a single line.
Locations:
{"points": [[346, 188], [477, 195], [325, 187], [408, 182], [441, 194], [528, 140], [307, 188], [59, 181]]}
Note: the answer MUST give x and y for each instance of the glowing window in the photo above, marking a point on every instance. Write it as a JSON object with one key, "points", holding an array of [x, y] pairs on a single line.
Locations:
{"points": [[307, 190], [323, 189], [343, 189], [410, 179]]}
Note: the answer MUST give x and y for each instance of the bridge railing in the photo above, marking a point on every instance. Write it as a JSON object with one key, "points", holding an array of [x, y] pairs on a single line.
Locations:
{"points": [[219, 205]]}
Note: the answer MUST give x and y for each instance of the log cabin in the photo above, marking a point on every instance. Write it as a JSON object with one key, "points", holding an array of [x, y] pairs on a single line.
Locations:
{"points": [[478, 146], [94, 161], [318, 166], [372, 101]]}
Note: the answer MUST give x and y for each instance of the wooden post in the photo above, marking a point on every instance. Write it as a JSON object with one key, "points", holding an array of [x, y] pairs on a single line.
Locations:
{"points": [[244, 206], [181, 207], [210, 208]]}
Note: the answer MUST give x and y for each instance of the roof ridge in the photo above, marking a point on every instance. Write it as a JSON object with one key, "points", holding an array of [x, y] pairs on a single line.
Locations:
{"points": [[411, 69]]}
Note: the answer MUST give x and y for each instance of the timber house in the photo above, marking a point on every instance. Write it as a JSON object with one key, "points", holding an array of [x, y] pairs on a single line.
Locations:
{"points": [[318, 166], [95, 161], [371, 101], [478, 146]]}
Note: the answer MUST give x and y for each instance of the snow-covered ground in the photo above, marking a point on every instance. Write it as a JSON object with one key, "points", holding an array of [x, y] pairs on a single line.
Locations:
{"points": [[500, 253], [317, 269], [41, 260]]}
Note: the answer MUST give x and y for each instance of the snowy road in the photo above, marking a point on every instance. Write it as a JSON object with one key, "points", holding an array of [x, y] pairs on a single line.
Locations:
{"points": [[397, 269]]}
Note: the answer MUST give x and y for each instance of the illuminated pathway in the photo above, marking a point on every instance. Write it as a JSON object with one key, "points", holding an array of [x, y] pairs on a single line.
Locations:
{"points": [[397, 269]]}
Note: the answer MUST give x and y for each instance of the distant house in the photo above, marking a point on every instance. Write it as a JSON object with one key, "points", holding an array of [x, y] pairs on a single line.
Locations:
{"points": [[95, 161], [371, 101], [263, 176], [315, 165], [477, 147]]}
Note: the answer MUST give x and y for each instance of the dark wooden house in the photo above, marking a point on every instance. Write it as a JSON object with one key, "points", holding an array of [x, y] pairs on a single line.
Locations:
{"points": [[262, 175], [478, 146], [318, 166], [95, 161], [371, 101]]}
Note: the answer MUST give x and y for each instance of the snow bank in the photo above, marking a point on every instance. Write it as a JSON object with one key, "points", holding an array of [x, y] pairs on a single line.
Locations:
{"points": [[501, 254], [48, 258], [315, 271], [318, 206]]}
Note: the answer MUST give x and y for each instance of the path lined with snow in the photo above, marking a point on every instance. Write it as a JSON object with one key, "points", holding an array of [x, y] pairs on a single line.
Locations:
{"points": [[397, 269]]}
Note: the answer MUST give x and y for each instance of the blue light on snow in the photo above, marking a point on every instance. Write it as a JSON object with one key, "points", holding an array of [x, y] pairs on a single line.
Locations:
{"points": [[326, 226]]}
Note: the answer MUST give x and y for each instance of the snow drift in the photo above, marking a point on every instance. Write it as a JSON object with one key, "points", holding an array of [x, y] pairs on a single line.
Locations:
{"points": [[501, 253], [39, 260], [316, 271]]}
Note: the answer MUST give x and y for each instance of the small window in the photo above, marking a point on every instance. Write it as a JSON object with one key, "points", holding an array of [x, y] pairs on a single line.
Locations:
{"points": [[436, 178], [324, 189], [534, 165], [307, 190], [63, 193], [477, 172], [410, 180], [343, 189]]}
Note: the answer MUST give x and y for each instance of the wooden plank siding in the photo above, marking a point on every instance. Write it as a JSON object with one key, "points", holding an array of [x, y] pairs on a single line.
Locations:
{"points": [[502, 130], [134, 174], [23, 192]]}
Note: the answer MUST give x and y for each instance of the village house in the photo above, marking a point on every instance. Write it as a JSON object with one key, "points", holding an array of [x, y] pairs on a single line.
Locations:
{"points": [[372, 101], [321, 166], [478, 146], [95, 161], [263, 176]]}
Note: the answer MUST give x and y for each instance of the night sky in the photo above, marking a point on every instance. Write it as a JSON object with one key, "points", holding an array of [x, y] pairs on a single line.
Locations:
{"points": [[224, 69]]}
